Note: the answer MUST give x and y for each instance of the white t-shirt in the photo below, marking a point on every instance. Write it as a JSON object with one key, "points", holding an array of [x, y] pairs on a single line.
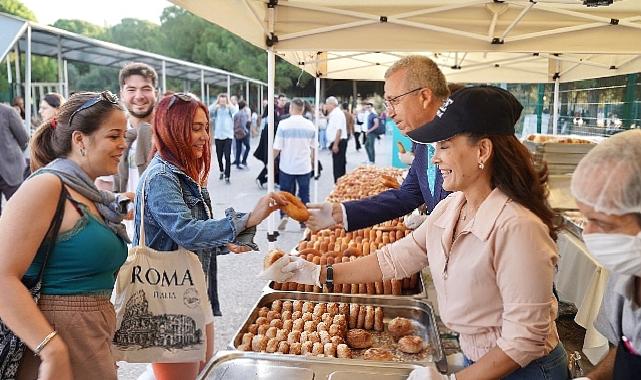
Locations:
{"points": [[295, 138], [336, 121]]}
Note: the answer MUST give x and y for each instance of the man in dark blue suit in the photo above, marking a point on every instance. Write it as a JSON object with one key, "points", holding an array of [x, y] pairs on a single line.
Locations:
{"points": [[415, 88]]}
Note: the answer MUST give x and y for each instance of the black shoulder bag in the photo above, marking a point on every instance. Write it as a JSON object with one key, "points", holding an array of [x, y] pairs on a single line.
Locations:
{"points": [[11, 347]]}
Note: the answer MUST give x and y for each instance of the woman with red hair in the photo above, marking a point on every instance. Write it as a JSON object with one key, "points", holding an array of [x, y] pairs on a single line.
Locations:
{"points": [[178, 210]]}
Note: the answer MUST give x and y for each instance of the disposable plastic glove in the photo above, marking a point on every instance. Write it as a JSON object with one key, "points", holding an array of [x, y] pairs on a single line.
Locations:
{"points": [[320, 216], [302, 271], [276, 271], [414, 221], [406, 158], [428, 373]]}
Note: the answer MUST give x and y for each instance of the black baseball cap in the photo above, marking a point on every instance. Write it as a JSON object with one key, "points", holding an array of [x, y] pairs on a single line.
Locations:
{"points": [[484, 110]]}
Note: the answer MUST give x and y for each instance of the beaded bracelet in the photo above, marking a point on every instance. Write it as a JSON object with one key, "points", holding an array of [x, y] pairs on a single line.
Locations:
{"points": [[44, 342]]}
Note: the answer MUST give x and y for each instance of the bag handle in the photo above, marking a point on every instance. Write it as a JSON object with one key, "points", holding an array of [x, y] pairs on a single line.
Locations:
{"points": [[141, 231], [54, 228]]}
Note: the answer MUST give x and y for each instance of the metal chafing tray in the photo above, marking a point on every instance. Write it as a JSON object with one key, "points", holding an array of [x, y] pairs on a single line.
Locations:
{"points": [[417, 310], [574, 222], [418, 292], [227, 365]]}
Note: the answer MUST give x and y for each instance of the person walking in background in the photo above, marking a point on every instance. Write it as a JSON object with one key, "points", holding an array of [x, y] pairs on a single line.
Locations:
{"points": [[13, 141], [322, 127], [72, 326], [138, 95], [337, 136], [295, 142], [222, 118], [371, 128], [241, 135], [18, 104], [50, 105], [349, 120]]}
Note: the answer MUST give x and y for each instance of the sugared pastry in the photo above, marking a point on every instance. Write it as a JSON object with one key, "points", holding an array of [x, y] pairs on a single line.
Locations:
{"points": [[285, 315], [307, 316], [317, 349], [329, 349], [245, 347], [337, 339], [259, 343], [297, 306], [310, 326], [262, 329], [327, 319], [253, 328], [295, 348], [353, 315], [304, 337], [306, 348], [308, 307], [271, 332], [262, 312], [277, 306], [281, 335], [298, 325], [283, 347], [297, 314], [343, 352], [324, 337], [287, 306], [288, 325], [276, 323], [320, 309], [332, 308], [337, 329], [378, 354], [343, 308], [262, 321], [369, 318], [379, 325], [339, 319], [271, 315], [321, 327], [272, 345], [411, 344], [272, 257], [358, 338], [400, 326], [361, 317], [247, 338], [293, 337]]}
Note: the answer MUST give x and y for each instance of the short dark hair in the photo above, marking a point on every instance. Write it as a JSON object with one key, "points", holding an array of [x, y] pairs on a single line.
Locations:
{"points": [[137, 68], [241, 104]]}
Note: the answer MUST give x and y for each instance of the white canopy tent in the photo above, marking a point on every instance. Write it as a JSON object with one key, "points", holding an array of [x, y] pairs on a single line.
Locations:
{"points": [[472, 40]]}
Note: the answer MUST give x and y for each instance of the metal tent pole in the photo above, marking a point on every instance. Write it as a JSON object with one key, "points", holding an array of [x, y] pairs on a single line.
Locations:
{"points": [[317, 120], [202, 85], [27, 82], [555, 107], [60, 74], [271, 63], [164, 77]]}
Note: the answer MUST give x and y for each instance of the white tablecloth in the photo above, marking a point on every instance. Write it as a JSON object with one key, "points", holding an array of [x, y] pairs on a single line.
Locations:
{"points": [[582, 281]]}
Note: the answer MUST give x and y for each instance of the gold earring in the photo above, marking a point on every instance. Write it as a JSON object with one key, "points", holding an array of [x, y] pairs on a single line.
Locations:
{"points": [[481, 165]]}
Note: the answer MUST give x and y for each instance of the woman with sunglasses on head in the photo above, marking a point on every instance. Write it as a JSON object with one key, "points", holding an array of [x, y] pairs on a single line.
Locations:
{"points": [[71, 327], [490, 245], [178, 210]]}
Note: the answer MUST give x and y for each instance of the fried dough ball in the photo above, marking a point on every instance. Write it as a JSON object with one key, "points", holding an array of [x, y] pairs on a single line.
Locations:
{"points": [[400, 326], [359, 338], [343, 351], [378, 354], [411, 344]]}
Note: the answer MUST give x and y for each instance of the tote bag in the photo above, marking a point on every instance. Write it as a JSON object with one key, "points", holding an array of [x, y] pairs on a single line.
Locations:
{"points": [[161, 303]]}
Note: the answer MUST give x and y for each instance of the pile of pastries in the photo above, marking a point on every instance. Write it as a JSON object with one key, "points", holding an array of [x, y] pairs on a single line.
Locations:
{"points": [[537, 138], [332, 246], [342, 330], [363, 182]]}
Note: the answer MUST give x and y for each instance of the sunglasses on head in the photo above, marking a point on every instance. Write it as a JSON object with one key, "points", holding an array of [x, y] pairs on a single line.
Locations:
{"points": [[182, 96], [107, 96]]}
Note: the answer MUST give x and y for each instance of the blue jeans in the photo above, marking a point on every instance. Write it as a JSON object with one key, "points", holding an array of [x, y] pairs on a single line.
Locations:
{"points": [[322, 139], [553, 366], [369, 147], [289, 183]]}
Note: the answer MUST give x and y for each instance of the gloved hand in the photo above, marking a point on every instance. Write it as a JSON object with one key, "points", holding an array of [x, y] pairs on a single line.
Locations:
{"points": [[302, 271], [428, 373], [320, 216], [406, 158], [414, 221], [276, 271]]}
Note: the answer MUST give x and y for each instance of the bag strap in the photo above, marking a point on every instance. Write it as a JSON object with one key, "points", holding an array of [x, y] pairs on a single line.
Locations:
{"points": [[54, 228], [141, 231]]}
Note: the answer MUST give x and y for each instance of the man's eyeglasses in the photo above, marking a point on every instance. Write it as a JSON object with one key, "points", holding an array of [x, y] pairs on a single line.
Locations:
{"points": [[182, 96], [107, 96], [391, 102]]}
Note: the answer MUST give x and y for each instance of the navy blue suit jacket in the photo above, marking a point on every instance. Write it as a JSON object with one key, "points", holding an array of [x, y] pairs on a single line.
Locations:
{"points": [[394, 203]]}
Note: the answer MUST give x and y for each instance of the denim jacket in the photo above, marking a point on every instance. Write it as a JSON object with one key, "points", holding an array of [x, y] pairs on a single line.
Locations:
{"points": [[178, 213]]}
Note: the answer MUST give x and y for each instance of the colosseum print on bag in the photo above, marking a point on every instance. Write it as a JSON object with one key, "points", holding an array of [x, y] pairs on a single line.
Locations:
{"points": [[161, 303]]}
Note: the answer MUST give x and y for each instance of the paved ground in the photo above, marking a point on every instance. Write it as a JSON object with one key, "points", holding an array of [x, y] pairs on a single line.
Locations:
{"points": [[239, 289]]}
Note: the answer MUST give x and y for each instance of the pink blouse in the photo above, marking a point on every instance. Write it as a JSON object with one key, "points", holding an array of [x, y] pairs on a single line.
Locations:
{"points": [[493, 282]]}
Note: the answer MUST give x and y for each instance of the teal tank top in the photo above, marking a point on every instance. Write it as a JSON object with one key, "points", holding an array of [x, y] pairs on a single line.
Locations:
{"points": [[84, 260]]}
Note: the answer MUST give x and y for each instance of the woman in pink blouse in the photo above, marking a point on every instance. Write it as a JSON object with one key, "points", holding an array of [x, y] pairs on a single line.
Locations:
{"points": [[489, 245]]}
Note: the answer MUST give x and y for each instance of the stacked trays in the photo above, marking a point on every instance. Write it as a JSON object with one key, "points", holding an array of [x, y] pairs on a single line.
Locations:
{"points": [[324, 329], [561, 154]]}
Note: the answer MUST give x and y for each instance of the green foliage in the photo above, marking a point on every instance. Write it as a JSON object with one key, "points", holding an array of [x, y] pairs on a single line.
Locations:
{"points": [[16, 8], [180, 35]]}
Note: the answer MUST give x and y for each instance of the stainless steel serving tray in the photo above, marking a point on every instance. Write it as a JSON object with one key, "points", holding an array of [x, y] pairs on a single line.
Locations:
{"points": [[417, 310], [419, 292], [236, 365]]}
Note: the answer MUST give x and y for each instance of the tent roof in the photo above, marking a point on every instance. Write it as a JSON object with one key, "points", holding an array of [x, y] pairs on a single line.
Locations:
{"points": [[47, 40], [483, 40]]}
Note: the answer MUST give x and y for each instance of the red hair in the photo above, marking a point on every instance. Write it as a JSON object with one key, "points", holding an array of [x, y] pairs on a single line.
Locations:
{"points": [[172, 132]]}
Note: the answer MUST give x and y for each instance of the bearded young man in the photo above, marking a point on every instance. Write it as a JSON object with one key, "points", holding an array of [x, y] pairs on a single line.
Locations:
{"points": [[138, 95]]}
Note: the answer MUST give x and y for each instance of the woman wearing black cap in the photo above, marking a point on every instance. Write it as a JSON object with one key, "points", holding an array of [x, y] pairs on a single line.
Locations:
{"points": [[489, 245]]}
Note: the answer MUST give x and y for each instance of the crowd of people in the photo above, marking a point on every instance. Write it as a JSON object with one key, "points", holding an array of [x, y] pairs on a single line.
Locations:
{"points": [[488, 233]]}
